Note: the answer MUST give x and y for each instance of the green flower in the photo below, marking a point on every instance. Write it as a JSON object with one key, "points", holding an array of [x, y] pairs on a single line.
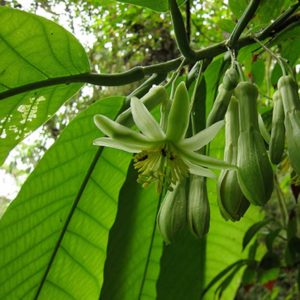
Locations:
{"points": [[165, 157]]}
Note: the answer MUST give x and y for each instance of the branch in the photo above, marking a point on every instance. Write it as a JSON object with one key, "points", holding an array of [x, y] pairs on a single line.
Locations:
{"points": [[180, 32], [138, 73], [243, 22], [133, 75], [188, 20], [272, 28]]}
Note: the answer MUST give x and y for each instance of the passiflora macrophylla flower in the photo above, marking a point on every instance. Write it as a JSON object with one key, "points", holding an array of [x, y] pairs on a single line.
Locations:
{"points": [[165, 157]]}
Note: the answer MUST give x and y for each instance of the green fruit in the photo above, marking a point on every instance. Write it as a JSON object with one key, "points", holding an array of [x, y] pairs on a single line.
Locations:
{"points": [[230, 79], [276, 147], [255, 174], [292, 128], [232, 203], [172, 213], [198, 211], [289, 92], [291, 104], [225, 91]]}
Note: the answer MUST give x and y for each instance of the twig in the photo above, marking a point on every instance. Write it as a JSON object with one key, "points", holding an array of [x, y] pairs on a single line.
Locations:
{"points": [[243, 22], [180, 31], [132, 75]]}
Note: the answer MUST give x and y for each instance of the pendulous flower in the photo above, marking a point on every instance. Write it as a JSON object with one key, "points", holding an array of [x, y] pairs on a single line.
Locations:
{"points": [[162, 156]]}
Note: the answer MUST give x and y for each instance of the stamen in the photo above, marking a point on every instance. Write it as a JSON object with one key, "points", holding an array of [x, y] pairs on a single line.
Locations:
{"points": [[162, 165]]}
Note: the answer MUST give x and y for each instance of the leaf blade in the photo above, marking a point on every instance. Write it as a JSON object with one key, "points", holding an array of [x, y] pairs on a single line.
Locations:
{"points": [[54, 235], [252, 231], [33, 49], [131, 270]]}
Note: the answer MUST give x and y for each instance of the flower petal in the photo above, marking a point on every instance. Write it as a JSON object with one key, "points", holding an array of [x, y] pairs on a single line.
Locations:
{"points": [[118, 132], [145, 121], [202, 138], [204, 160], [178, 119], [200, 171], [108, 142]]}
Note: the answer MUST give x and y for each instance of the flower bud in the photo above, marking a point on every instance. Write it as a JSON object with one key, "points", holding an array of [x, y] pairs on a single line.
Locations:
{"points": [[198, 211], [291, 104], [225, 92], [172, 213], [255, 174], [232, 202], [278, 131]]}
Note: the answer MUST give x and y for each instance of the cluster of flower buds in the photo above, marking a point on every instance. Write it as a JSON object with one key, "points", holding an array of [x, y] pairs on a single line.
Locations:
{"points": [[245, 147], [288, 94], [252, 181]]}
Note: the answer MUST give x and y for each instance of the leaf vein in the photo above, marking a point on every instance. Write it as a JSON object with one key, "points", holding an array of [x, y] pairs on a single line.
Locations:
{"points": [[55, 285], [92, 218], [19, 284], [15, 273], [31, 248], [86, 240], [32, 212], [29, 230], [103, 190], [83, 267], [18, 54]]}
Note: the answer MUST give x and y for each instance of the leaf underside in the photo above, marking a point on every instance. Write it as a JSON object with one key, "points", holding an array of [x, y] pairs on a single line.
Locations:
{"points": [[33, 49], [53, 237]]}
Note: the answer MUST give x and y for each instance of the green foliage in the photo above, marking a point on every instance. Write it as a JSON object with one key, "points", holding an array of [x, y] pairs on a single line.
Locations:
{"points": [[134, 267], [252, 231], [59, 223], [33, 49], [158, 5], [266, 12]]}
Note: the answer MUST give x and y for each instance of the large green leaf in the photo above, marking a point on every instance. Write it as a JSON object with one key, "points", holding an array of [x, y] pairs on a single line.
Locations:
{"points": [[53, 237], [161, 5], [33, 49], [183, 268], [135, 248]]}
